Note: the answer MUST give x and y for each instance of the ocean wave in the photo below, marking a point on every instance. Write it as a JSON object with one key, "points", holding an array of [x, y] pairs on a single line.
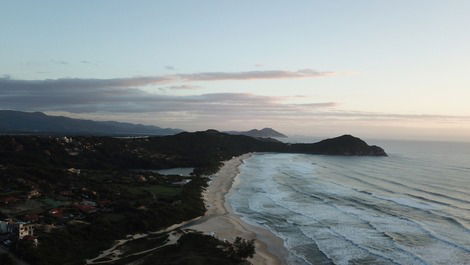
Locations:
{"points": [[328, 209]]}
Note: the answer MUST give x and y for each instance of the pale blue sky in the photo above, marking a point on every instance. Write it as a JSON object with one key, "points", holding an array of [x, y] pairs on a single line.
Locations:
{"points": [[393, 61]]}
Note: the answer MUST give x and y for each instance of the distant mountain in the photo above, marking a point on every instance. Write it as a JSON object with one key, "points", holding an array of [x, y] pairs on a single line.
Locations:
{"points": [[18, 122], [263, 133]]}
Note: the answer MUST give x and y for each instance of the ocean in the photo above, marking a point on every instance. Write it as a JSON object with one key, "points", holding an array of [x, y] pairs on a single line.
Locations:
{"points": [[412, 207]]}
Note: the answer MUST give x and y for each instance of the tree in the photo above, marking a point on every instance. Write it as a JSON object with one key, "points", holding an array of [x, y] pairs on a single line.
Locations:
{"points": [[5, 259], [242, 249]]}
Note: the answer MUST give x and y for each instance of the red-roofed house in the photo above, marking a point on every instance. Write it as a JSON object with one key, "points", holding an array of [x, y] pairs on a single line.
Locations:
{"points": [[56, 212]]}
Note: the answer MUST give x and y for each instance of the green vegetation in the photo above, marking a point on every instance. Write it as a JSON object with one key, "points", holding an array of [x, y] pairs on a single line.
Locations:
{"points": [[155, 190], [139, 211], [5, 259], [83, 193], [53, 203], [198, 249]]}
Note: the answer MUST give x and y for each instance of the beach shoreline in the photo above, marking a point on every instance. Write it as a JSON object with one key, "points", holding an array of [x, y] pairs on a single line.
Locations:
{"points": [[221, 221]]}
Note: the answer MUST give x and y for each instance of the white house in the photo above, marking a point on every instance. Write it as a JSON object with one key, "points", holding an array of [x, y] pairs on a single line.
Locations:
{"points": [[25, 230]]}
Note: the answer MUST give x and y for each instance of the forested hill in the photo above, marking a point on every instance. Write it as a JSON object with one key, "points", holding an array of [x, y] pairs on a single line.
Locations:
{"points": [[345, 145], [198, 149]]}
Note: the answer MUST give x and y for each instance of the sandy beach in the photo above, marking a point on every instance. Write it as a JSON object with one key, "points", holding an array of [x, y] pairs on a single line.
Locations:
{"points": [[222, 222]]}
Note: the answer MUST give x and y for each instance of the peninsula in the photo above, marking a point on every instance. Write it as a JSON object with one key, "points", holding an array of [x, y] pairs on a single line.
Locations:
{"points": [[57, 193]]}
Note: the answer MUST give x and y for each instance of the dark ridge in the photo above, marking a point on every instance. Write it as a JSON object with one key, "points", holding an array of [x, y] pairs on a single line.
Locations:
{"points": [[197, 149], [38, 123], [346, 145]]}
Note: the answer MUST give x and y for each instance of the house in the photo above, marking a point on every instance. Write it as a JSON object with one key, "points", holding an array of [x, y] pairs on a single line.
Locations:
{"points": [[25, 230], [19, 230], [33, 194], [74, 171]]}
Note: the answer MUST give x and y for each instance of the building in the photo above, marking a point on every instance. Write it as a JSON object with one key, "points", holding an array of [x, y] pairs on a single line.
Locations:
{"points": [[6, 227], [74, 171], [19, 230], [34, 194], [25, 230]]}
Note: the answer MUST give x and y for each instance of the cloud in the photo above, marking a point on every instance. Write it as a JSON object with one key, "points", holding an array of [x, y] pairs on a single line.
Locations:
{"points": [[180, 87], [80, 83], [61, 62], [36, 86], [170, 67], [119, 96], [125, 96], [254, 75], [116, 96]]}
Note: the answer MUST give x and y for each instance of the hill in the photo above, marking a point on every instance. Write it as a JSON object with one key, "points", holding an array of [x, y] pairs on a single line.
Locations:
{"points": [[346, 145], [18, 122], [203, 149], [263, 133]]}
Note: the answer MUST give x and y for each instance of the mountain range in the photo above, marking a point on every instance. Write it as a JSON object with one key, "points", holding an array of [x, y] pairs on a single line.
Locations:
{"points": [[18, 122], [37, 123], [263, 133]]}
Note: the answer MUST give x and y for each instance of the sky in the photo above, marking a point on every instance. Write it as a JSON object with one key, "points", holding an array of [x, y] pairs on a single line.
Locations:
{"points": [[375, 69]]}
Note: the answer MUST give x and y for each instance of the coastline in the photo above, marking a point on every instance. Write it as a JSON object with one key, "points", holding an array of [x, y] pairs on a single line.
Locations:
{"points": [[221, 221]]}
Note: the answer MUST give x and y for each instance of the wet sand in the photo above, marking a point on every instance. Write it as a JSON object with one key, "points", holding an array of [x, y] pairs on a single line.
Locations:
{"points": [[221, 221]]}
